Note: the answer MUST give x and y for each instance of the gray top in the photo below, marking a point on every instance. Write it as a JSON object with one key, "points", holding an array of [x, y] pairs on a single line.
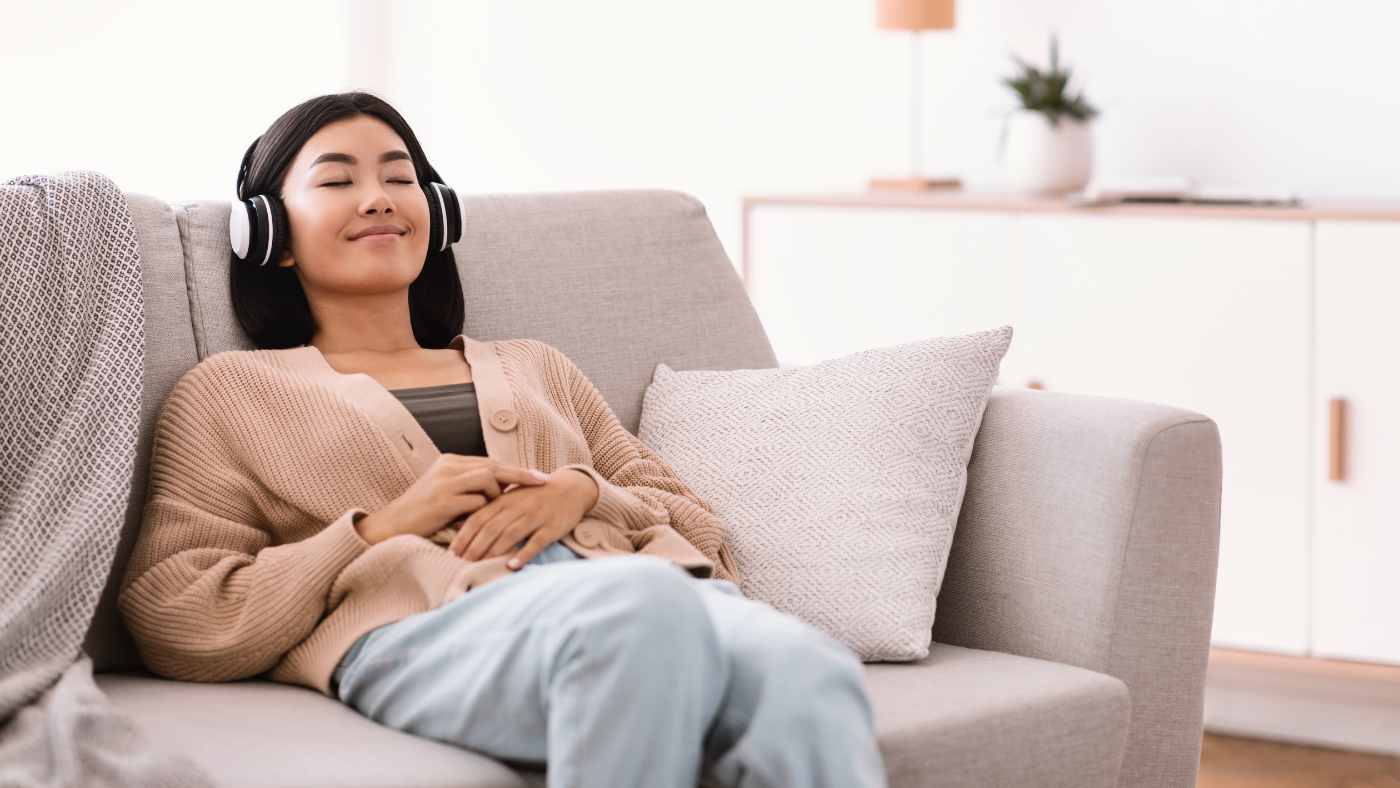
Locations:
{"points": [[448, 414]]}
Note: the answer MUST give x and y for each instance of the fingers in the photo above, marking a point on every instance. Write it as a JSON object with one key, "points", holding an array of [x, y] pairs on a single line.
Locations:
{"points": [[518, 475], [461, 539], [499, 526], [471, 529], [487, 534], [491, 478], [511, 536], [469, 525], [538, 541]]}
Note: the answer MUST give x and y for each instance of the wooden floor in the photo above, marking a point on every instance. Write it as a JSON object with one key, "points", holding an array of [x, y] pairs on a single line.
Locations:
{"points": [[1230, 762]]}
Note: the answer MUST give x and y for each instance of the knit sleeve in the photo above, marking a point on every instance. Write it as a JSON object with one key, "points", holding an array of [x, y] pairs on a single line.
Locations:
{"points": [[208, 594], [636, 487]]}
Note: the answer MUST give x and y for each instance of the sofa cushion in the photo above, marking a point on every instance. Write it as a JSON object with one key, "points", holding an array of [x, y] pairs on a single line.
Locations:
{"points": [[957, 717], [840, 481], [964, 716], [260, 734]]}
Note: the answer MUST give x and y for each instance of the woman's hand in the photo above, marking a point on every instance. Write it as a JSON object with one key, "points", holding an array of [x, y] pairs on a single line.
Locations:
{"points": [[453, 486], [543, 513]]}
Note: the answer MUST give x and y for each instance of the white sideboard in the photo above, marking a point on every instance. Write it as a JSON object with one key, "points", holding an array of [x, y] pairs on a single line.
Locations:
{"points": [[1261, 318]]}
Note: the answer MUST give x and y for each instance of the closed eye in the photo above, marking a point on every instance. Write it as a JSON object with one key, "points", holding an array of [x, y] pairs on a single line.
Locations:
{"points": [[347, 183]]}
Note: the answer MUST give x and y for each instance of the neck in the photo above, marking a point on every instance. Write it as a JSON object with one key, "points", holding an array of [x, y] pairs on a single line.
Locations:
{"points": [[368, 326]]}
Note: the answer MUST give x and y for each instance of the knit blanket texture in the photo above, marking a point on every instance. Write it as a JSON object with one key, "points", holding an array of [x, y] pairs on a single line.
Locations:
{"points": [[72, 335]]}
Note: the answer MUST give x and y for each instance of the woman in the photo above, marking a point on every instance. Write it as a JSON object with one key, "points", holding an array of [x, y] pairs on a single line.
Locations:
{"points": [[471, 488]]}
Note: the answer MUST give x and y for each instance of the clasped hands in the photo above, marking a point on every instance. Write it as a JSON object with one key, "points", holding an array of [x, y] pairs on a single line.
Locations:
{"points": [[497, 506], [537, 514]]}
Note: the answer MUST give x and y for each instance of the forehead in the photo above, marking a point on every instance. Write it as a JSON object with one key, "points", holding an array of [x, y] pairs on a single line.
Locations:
{"points": [[364, 137]]}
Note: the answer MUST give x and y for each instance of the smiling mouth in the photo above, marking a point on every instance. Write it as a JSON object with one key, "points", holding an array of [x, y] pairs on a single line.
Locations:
{"points": [[378, 235]]}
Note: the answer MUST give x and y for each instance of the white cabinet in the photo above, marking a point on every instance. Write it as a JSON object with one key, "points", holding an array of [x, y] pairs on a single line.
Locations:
{"points": [[1356, 541], [1202, 313]]}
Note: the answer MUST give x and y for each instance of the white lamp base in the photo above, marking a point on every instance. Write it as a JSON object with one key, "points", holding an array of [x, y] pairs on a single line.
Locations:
{"points": [[916, 124]]}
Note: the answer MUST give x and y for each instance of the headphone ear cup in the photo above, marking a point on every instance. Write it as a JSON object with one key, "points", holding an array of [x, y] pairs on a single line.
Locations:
{"points": [[242, 217], [279, 229], [258, 232], [257, 228], [456, 216], [445, 217], [435, 228]]}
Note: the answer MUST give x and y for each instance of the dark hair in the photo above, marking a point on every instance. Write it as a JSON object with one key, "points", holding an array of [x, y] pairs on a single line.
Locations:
{"points": [[269, 301]]}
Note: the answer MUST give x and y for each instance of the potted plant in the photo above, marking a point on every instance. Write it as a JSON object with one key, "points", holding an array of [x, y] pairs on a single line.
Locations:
{"points": [[1047, 146]]}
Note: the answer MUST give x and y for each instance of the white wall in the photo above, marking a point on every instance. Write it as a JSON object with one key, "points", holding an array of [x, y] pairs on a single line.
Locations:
{"points": [[1236, 91], [717, 99], [160, 98]]}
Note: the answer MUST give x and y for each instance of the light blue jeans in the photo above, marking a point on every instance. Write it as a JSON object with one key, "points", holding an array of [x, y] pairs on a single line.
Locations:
{"points": [[622, 671]]}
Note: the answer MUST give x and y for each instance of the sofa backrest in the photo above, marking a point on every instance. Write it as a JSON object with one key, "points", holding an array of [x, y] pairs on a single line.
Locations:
{"points": [[619, 280]]}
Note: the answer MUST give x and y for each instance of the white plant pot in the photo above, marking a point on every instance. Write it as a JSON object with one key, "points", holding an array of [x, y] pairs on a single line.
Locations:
{"points": [[1038, 158]]}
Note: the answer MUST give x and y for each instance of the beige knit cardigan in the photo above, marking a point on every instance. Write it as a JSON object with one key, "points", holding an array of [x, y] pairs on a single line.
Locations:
{"points": [[248, 561]]}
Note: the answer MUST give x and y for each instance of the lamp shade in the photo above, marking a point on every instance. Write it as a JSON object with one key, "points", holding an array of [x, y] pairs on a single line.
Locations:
{"points": [[914, 14]]}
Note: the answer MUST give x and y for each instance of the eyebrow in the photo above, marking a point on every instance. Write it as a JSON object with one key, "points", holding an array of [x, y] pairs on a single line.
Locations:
{"points": [[387, 156]]}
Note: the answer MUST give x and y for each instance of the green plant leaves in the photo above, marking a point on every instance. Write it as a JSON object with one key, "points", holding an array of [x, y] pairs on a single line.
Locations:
{"points": [[1047, 91]]}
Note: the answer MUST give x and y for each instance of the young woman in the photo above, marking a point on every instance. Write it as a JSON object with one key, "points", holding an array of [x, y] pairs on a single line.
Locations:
{"points": [[462, 594]]}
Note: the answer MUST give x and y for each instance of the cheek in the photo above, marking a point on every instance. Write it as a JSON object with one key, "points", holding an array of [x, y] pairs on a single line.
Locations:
{"points": [[418, 210], [421, 219], [314, 224]]}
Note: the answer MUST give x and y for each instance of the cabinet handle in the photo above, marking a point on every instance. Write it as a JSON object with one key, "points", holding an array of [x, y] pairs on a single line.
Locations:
{"points": [[1035, 384], [1337, 440]]}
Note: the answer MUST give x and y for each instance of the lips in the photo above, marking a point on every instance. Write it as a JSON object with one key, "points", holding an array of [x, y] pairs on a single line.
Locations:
{"points": [[379, 230]]}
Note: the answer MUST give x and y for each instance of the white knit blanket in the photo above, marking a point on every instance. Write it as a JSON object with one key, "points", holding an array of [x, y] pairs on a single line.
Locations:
{"points": [[72, 336]]}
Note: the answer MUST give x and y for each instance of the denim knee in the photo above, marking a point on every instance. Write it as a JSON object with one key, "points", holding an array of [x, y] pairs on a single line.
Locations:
{"points": [[646, 602], [812, 661]]}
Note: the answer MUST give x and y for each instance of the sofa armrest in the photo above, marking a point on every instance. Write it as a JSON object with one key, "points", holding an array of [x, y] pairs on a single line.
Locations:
{"points": [[1089, 535]]}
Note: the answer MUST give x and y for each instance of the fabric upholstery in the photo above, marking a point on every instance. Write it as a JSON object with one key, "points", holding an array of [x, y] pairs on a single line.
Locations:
{"points": [[958, 717], [967, 717], [1090, 535], [258, 734]]}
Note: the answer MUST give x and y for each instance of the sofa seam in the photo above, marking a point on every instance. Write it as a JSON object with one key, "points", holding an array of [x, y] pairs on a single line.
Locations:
{"points": [[196, 306]]}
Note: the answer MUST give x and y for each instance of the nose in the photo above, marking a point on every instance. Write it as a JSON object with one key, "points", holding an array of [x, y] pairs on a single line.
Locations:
{"points": [[378, 202]]}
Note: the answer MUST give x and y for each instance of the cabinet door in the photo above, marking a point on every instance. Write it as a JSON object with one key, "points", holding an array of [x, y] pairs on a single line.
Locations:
{"points": [[1356, 542], [827, 282]]}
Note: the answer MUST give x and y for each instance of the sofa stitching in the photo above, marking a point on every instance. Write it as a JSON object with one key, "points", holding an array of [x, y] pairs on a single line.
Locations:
{"points": [[196, 306]]}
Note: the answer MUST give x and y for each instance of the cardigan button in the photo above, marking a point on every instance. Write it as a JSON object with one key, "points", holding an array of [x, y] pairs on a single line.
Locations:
{"points": [[587, 534], [504, 420]]}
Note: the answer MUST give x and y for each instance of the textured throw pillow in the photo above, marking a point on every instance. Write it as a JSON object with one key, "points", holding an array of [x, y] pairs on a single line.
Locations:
{"points": [[840, 482]]}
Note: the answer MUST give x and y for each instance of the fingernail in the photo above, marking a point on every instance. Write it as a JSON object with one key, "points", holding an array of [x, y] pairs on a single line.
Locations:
{"points": [[514, 563], [541, 475]]}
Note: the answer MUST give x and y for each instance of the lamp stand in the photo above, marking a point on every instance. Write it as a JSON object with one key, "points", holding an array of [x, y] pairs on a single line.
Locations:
{"points": [[915, 182]]}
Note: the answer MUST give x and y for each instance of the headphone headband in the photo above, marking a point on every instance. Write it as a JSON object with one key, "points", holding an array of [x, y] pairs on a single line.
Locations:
{"points": [[243, 167]]}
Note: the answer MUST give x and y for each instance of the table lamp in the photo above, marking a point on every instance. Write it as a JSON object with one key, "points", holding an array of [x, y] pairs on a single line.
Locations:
{"points": [[915, 16]]}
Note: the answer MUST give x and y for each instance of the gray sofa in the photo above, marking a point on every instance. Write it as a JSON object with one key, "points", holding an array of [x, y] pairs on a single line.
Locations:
{"points": [[1074, 619]]}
